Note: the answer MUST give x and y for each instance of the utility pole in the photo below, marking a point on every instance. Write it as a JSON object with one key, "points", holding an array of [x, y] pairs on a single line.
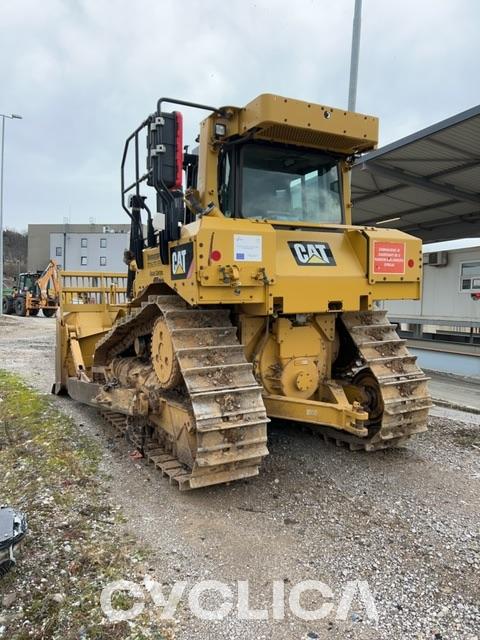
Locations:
{"points": [[357, 25], [11, 117]]}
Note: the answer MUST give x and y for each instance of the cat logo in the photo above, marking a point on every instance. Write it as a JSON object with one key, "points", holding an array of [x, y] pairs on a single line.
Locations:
{"points": [[312, 254], [178, 262], [181, 261]]}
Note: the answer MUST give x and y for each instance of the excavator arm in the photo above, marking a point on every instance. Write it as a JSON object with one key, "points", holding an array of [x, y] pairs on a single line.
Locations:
{"points": [[48, 282]]}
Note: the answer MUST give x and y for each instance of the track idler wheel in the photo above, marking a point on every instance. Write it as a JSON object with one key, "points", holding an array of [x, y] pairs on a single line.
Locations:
{"points": [[370, 395], [164, 359]]}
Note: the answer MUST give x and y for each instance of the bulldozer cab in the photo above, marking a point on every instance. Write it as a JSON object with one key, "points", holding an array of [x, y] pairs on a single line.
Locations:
{"points": [[276, 159]]}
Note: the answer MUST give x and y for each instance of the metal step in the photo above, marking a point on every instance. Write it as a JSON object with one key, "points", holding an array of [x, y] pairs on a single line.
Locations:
{"points": [[405, 358], [380, 343]]}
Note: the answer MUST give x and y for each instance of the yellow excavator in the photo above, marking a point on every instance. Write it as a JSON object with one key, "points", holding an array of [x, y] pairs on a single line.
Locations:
{"points": [[251, 297], [34, 291]]}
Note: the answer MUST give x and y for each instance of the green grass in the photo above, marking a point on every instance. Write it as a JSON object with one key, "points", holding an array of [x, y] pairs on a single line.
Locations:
{"points": [[76, 542]]}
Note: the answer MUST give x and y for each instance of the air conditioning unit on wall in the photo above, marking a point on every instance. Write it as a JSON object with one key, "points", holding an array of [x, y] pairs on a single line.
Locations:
{"points": [[437, 259]]}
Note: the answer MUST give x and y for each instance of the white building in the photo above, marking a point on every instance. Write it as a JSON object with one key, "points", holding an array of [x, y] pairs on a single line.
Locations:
{"points": [[451, 287], [443, 327], [78, 247], [89, 251]]}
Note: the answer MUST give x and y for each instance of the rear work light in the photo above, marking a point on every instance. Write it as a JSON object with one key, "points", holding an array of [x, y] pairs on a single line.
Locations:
{"points": [[220, 130]]}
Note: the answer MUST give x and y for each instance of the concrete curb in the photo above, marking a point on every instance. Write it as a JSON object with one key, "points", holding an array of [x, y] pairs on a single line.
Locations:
{"points": [[455, 405]]}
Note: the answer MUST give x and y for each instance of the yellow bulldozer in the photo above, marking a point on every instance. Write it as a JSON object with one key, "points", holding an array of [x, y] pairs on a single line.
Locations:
{"points": [[251, 297]]}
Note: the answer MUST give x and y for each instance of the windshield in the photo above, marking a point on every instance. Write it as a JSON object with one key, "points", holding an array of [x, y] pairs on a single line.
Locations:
{"points": [[27, 282], [285, 184]]}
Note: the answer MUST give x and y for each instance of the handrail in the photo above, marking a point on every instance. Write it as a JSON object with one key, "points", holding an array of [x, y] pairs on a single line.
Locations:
{"points": [[84, 290], [134, 136]]}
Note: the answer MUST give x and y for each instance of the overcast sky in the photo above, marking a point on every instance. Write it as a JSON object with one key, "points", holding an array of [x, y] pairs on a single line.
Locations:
{"points": [[84, 73]]}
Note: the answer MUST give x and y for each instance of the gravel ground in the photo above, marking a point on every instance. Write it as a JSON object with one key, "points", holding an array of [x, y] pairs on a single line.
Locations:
{"points": [[405, 521]]}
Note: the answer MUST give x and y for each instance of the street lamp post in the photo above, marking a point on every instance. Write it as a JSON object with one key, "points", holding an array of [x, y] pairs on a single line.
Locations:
{"points": [[357, 25], [12, 116]]}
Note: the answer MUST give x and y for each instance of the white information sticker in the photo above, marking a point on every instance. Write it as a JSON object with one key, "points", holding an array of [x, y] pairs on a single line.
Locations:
{"points": [[247, 248]]}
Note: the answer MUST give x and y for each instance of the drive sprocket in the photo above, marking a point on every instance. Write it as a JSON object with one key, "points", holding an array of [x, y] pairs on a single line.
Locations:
{"points": [[164, 359]]}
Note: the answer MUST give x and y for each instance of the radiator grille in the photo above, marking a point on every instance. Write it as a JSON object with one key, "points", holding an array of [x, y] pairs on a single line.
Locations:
{"points": [[305, 137]]}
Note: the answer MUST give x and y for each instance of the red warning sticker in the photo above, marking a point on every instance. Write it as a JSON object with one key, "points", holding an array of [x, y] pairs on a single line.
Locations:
{"points": [[388, 257]]}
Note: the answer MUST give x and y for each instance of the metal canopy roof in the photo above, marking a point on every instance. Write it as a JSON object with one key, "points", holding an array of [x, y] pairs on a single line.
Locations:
{"points": [[429, 181]]}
